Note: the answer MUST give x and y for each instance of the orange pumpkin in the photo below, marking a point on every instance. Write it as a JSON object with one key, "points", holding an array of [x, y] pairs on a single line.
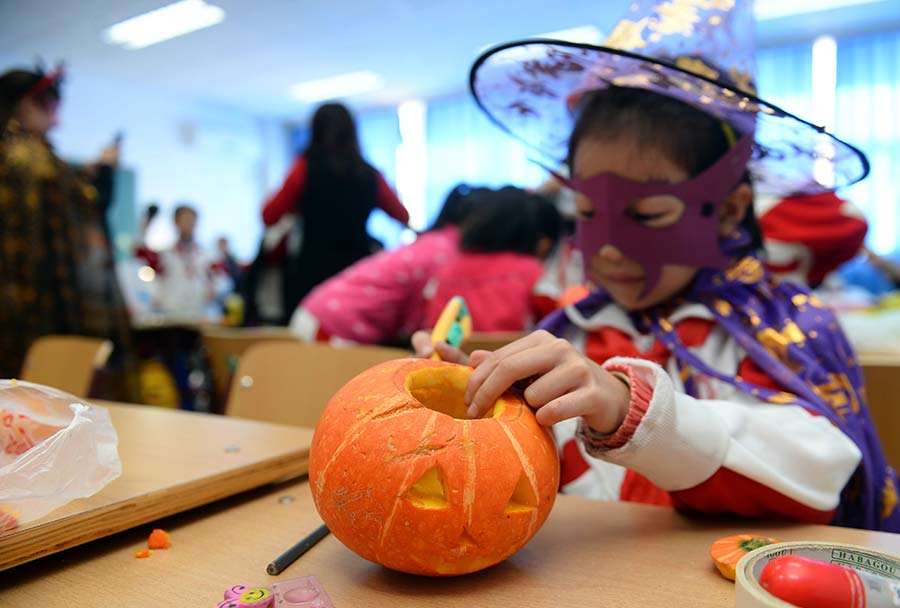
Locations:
{"points": [[404, 478]]}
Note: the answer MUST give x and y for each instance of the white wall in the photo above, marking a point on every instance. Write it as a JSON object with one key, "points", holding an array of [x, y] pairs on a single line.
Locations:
{"points": [[222, 159]]}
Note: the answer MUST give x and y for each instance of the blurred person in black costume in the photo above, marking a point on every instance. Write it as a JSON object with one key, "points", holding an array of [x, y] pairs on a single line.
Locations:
{"points": [[56, 268]]}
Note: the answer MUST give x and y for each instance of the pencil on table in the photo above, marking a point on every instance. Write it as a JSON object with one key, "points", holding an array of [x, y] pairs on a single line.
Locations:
{"points": [[291, 555]]}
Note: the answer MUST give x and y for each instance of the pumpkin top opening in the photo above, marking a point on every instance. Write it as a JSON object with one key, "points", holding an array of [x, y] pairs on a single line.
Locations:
{"points": [[441, 389]]}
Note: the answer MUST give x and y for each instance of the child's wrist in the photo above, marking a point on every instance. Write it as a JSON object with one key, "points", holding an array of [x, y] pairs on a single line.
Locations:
{"points": [[638, 394], [596, 427]]}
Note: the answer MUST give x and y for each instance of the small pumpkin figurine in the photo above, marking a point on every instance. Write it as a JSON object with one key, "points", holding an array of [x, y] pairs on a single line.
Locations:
{"points": [[727, 552], [404, 478]]}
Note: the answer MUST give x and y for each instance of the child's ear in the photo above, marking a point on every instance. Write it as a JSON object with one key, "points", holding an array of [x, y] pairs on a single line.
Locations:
{"points": [[732, 211]]}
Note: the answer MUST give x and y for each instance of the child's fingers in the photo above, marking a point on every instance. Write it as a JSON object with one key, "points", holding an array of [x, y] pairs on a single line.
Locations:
{"points": [[533, 339], [554, 384], [451, 353], [422, 347], [530, 362], [421, 343], [487, 363], [602, 405], [477, 356], [564, 407]]}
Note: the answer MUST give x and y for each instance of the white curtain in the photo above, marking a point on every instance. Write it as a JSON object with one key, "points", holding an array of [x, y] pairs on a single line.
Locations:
{"points": [[867, 115], [867, 111], [464, 146], [784, 77], [379, 136]]}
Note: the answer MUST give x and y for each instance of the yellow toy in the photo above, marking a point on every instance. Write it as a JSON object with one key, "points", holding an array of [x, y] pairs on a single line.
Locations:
{"points": [[454, 326]]}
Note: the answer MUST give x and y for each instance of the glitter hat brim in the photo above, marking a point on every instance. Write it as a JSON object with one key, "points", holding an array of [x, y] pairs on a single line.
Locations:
{"points": [[526, 87]]}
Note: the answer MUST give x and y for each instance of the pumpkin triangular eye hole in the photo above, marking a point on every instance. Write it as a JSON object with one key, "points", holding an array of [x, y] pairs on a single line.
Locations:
{"points": [[523, 497], [429, 491]]}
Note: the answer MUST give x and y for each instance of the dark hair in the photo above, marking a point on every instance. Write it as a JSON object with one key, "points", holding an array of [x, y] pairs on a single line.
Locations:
{"points": [[457, 206], [509, 219], [14, 84], [334, 143], [183, 208], [687, 136]]}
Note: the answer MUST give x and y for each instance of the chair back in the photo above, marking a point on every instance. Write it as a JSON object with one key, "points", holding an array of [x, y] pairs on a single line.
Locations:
{"points": [[224, 347], [67, 363], [291, 382]]}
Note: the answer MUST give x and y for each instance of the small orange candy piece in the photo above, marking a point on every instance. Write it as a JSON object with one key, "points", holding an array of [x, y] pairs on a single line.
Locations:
{"points": [[143, 553], [159, 539]]}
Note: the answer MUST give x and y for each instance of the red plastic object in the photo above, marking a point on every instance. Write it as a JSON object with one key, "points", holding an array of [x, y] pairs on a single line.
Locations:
{"points": [[810, 583]]}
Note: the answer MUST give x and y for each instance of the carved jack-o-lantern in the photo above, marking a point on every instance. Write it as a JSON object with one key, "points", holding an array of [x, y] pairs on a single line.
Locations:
{"points": [[404, 478]]}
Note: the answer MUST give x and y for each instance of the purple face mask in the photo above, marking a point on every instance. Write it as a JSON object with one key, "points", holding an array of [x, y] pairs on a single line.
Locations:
{"points": [[692, 240]]}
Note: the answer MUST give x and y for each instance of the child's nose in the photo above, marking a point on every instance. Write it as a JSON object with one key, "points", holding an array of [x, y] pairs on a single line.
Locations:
{"points": [[611, 253]]}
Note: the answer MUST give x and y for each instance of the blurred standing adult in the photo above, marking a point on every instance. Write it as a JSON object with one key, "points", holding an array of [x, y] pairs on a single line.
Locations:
{"points": [[333, 189], [56, 271]]}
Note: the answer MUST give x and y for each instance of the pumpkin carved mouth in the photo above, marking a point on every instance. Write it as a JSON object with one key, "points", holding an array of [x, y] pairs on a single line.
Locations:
{"points": [[441, 389]]}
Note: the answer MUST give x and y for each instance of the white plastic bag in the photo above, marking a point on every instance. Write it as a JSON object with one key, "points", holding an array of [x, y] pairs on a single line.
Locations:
{"points": [[54, 448]]}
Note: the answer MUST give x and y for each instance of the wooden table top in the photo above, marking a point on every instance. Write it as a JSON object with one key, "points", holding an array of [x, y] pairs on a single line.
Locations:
{"points": [[589, 553], [171, 461]]}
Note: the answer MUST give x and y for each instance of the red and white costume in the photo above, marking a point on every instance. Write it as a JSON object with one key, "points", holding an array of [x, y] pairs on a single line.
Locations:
{"points": [[723, 452], [188, 275], [807, 237]]}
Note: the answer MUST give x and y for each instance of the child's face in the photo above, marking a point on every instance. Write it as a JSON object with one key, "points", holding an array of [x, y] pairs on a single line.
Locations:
{"points": [[37, 116], [620, 276], [185, 223]]}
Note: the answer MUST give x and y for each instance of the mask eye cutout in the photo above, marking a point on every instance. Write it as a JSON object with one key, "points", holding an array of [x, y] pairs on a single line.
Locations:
{"points": [[657, 211], [707, 209], [584, 207]]}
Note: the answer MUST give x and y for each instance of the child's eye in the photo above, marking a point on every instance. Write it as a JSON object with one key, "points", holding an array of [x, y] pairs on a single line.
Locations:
{"points": [[645, 218], [584, 208], [656, 211]]}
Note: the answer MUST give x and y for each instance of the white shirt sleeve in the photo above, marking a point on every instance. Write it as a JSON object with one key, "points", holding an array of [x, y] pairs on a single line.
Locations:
{"points": [[682, 441]]}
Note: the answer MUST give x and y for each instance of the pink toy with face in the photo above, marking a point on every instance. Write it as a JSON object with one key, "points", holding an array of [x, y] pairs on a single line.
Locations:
{"points": [[305, 592]]}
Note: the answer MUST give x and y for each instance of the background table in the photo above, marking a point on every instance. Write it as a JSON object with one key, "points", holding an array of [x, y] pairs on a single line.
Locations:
{"points": [[171, 461], [882, 372], [589, 553]]}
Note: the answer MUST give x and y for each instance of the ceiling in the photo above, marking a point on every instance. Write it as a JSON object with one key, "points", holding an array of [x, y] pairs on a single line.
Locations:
{"points": [[422, 47]]}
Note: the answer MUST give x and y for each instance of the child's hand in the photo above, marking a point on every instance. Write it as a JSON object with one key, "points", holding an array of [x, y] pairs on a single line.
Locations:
{"points": [[421, 342], [567, 384]]}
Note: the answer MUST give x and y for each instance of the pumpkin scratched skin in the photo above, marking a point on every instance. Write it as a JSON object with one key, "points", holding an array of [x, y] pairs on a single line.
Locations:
{"points": [[403, 478]]}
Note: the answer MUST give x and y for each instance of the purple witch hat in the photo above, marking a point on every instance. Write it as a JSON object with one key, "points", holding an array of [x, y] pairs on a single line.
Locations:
{"points": [[698, 51]]}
